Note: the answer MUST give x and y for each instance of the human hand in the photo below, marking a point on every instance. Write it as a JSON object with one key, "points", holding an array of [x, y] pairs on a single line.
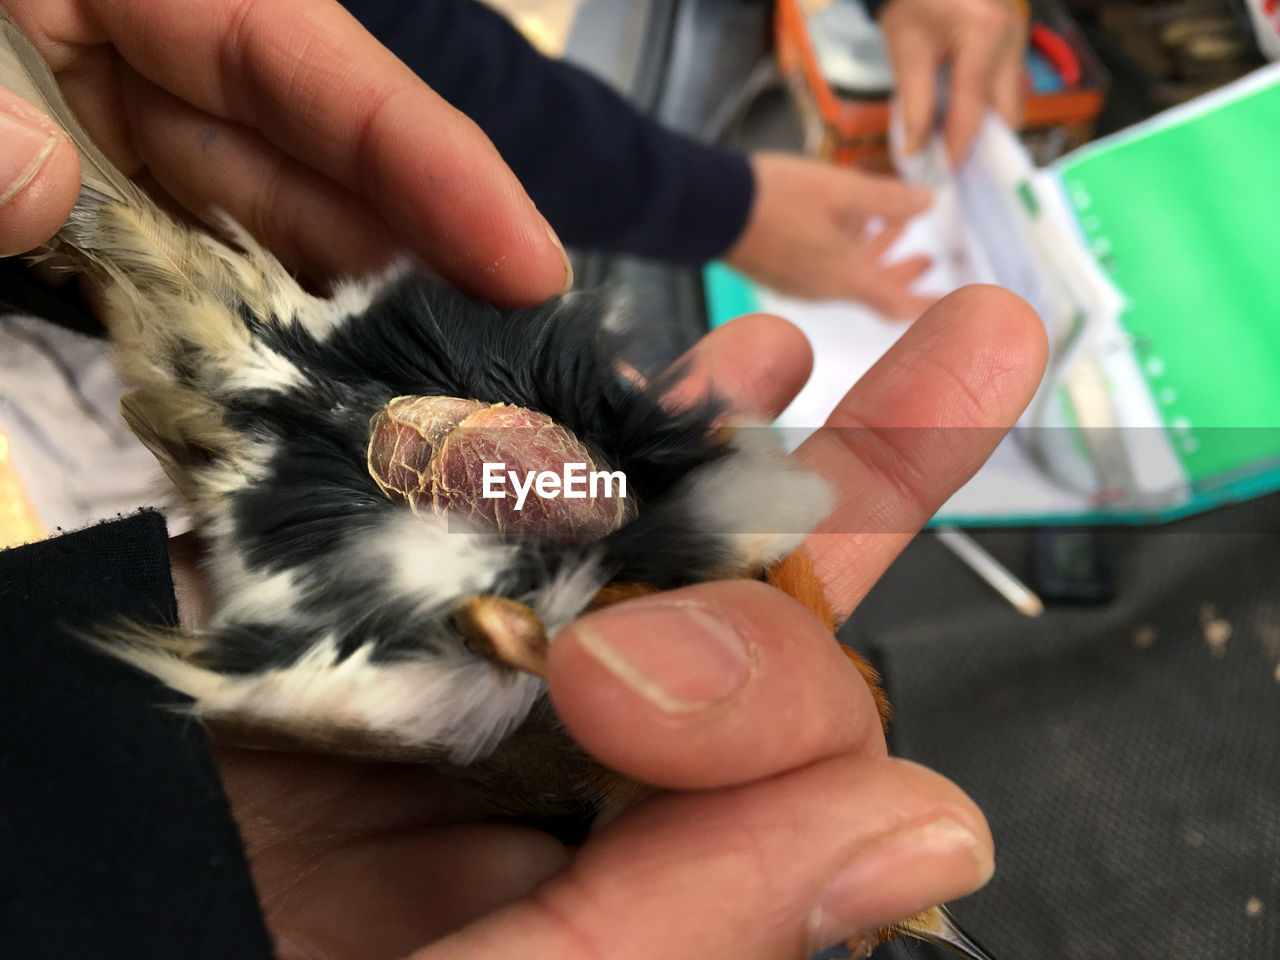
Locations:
{"points": [[781, 823], [808, 234], [983, 41], [291, 118]]}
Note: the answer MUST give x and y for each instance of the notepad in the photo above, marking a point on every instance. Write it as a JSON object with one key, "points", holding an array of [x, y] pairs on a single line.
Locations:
{"points": [[1153, 256], [1201, 280]]}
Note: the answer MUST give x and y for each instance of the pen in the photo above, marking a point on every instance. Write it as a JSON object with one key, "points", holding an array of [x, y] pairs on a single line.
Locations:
{"points": [[991, 570]]}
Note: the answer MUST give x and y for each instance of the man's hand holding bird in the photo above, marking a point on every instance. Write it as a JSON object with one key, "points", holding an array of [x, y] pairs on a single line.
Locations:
{"points": [[779, 824]]}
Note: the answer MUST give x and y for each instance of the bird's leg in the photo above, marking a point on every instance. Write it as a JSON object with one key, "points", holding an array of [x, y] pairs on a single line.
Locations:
{"points": [[796, 577]]}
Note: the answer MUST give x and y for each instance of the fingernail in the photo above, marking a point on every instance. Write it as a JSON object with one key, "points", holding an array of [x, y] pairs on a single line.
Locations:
{"points": [[897, 876], [568, 267], [26, 148], [675, 655]]}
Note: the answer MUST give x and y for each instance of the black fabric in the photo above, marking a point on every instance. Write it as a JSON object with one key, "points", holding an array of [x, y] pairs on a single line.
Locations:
{"points": [[115, 836], [23, 291], [1126, 756], [605, 176]]}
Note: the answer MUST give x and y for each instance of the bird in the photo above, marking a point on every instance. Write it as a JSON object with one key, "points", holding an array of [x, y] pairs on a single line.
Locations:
{"points": [[369, 597]]}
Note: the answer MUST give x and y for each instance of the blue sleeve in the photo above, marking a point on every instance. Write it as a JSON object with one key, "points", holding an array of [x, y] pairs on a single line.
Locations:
{"points": [[605, 176]]}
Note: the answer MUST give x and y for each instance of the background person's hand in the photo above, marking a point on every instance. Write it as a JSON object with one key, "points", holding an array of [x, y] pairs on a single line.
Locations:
{"points": [[982, 42], [287, 115], [782, 825], [810, 234]]}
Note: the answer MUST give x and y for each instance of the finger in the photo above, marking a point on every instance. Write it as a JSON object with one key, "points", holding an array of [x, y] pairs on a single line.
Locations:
{"points": [[365, 898], [1007, 83], [883, 240], [699, 687], [319, 87], [306, 219], [341, 851], [971, 82], [910, 306], [888, 197], [772, 869], [756, 364], [887, 288], [917, 426], [906, 272], [891, 292], [1007, 96], [39, 176], [90, 81], [295, 800], [915, 71], [896, 303], [189, 587]]}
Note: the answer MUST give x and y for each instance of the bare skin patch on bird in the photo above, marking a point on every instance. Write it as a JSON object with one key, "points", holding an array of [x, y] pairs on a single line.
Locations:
{"points": [[435, 453]]}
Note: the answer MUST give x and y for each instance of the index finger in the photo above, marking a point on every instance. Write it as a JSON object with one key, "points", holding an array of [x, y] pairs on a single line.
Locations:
{"points": [[915, 68], [777, 868], [317, 85], [755, 365], [916, 427], [969, 90]]}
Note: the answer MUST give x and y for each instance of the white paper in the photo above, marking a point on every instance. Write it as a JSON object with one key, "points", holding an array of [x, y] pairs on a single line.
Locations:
{"points": [[60, 406]]}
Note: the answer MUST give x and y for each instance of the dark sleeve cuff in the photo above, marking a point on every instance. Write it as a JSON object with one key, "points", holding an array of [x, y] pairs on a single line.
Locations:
{"points": [[117, 839]]}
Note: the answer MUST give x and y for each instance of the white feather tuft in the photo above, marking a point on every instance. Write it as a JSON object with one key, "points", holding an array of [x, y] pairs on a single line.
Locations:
{"points": [[765, 502], [566, 596], [261, 368], [458, 703], [266, 598], [350, 298], [431, 565]]}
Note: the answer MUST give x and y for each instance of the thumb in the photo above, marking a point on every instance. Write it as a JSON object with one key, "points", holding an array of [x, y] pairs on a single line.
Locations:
{"points": [[39, 176], [779, 868], [889, 197], [697, 688]]}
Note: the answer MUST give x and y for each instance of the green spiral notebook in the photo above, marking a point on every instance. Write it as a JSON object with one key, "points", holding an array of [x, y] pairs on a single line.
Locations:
{"points": [[1200, 278], [1153, 257]]}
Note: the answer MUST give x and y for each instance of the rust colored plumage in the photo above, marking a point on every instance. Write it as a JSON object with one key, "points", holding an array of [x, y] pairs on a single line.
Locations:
{"points": [[796, 577]]}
